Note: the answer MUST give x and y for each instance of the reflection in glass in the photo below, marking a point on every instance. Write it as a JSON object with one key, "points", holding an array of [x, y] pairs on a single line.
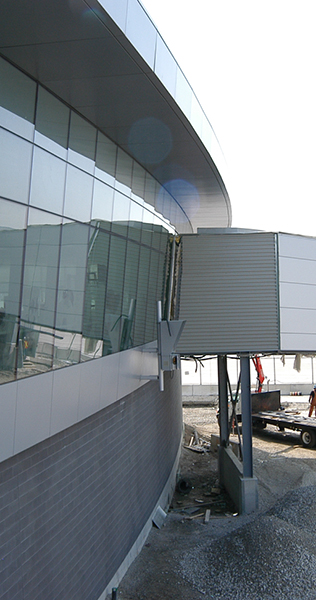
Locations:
{"points": [[135, 221], [15, 166], [154, 294], [113, 319], [105, 161], [156, 236], [90, 287], [94, 303], [121, 209], [48, 181], [82, 137], [142, 293], [39, 293], [17, 91], [138, 181], [102, 204], [78, 195], [123, 173], [147, 230], [152, 188], [70, 297], [130, 295], [52, 117], [12, 234]]}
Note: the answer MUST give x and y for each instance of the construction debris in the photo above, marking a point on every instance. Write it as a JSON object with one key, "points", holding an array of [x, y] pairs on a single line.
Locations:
{"points": [[198, 444]]}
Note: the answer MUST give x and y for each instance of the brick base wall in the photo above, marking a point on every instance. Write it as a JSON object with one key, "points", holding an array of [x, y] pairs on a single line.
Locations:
{"points": [[72, 507]]}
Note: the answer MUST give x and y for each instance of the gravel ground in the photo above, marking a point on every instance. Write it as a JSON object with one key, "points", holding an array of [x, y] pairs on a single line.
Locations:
{"points": [[270, 554]]}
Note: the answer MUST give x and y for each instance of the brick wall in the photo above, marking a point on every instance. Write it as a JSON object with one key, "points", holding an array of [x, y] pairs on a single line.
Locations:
{"points": [[72, 506]]}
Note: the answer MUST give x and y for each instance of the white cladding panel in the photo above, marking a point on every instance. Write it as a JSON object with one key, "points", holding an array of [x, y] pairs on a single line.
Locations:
{"points": [[229, 295], [297, 283]]}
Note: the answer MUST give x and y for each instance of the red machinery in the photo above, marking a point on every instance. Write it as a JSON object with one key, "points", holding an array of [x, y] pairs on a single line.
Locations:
{"points": [[260, 375]]}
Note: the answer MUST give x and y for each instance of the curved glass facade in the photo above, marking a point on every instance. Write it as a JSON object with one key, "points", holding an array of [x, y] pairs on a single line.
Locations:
{"points": [[134, 20], [83, 233]]}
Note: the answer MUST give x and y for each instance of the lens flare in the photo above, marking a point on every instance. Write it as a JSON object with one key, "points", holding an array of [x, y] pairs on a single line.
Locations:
{"points": [[150, 140]]}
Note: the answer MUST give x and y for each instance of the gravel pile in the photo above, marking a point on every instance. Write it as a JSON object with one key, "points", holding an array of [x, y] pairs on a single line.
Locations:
{"points": [[273, 557]]}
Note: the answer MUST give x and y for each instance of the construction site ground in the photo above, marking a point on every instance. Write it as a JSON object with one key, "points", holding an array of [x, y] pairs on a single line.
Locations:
{"points": [[205, 550]]}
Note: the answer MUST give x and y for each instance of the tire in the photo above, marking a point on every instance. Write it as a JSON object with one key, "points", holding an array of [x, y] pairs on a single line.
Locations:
{"points": [[308, 438], [184, 486]]}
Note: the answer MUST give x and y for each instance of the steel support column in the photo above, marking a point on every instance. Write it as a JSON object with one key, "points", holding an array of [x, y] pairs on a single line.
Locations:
{"points": [[246, 416], [223, 399]]}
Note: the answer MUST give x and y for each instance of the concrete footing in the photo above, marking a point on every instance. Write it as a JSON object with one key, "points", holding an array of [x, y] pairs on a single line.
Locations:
{"points": [[242, 490]]}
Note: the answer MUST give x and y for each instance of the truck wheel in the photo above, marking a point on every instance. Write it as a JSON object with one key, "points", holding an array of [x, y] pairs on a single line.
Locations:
{"points": [[258, 424], [308, 438]]}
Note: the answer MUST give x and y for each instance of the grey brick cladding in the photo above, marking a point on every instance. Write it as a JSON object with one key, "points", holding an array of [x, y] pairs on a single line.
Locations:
{"points": [[72, 506]]}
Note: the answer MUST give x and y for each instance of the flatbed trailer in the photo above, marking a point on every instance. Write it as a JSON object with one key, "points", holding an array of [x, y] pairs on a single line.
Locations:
{"points": [[288, 420]]}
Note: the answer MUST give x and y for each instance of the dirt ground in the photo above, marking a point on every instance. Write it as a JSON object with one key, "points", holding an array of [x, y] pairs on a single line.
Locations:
{"points": [[206, 550]]}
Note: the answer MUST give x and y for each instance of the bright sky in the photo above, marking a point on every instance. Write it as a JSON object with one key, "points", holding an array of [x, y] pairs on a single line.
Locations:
{"points": [[252, 65]]}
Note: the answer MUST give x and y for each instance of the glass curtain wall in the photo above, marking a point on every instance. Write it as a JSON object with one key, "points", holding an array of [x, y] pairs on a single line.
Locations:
{"points": [[83, 244]]}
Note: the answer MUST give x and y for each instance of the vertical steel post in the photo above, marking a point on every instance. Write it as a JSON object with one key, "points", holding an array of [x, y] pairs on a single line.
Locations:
{"points": [[160, 371], [246, 416], [171, 278], [223, 399]]}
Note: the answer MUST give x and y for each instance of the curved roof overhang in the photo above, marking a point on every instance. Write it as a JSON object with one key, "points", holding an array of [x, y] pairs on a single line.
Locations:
{"points": [[76, 50]]}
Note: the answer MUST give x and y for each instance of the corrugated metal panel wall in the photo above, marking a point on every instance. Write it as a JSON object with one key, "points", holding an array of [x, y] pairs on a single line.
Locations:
{"points": [[229, 295]]}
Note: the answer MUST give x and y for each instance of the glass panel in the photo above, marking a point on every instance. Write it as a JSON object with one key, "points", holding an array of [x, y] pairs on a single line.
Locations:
{"points": [[94, 304], [147, 229], [184, 94], [12, 235], [82, 137], [15, 166], [117, 10], [165, 66], [121, 209], [141, 31], [48, 181], [130, 295], [102, 204], [157, 229], [160, 281], [135, 221], [78, 196], [113, 321], [163, 203], [39, 293], [163, 241], [207, 133], [105, 159], [70, 298], [196, 115], [17, 91], [151, 313], [138, 181], [52, 118], [142, 292], [151, 189], [123, 173]]}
